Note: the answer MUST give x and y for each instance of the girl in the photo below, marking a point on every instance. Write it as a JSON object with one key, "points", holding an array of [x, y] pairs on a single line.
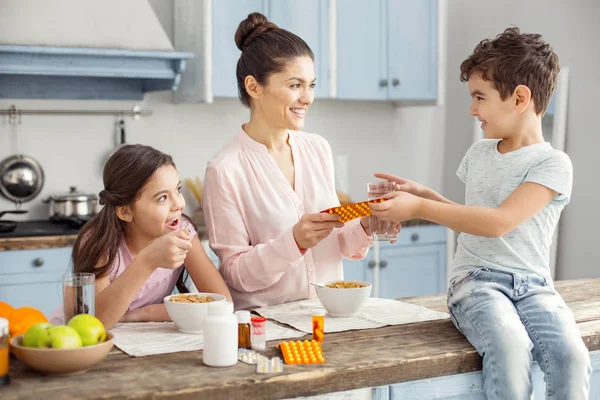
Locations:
{"points": [[138, 243], [265, 189]]}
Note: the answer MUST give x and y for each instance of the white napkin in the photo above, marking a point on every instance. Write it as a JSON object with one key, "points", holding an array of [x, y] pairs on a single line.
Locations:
{"points": [[375, 313], [140, 339]]}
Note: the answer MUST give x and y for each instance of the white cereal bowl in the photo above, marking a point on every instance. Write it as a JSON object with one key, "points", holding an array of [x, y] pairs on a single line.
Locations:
{"points": [[189, 317], [343, 302]]}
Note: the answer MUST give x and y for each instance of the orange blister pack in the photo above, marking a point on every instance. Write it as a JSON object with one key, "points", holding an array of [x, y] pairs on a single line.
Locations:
{"points": [[306, 352], [353, 211]]}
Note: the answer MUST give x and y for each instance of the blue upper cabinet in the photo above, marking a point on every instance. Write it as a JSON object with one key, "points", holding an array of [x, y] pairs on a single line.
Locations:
{"points": [[308, 19], [361, 55], [387, 49], [227, 15], [412, 49]]}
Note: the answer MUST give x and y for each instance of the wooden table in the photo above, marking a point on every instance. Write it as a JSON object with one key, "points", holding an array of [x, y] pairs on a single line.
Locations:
{"points": [[356, 359]]}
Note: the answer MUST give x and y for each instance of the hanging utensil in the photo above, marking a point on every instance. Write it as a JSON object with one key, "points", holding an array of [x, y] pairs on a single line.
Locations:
{"points": [[121, 131], [21, 177]]}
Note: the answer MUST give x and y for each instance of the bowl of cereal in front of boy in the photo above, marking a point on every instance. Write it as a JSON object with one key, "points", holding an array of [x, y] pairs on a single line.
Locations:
{"points": [[187, 310], [343, 298]]}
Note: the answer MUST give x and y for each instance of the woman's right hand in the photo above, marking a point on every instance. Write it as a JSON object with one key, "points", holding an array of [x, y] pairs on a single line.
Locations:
{"points": [[168, 251], [312, 228]]}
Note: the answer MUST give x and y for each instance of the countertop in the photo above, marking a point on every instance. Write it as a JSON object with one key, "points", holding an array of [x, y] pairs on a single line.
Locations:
{"points": [[355, 359], [8, 242]]}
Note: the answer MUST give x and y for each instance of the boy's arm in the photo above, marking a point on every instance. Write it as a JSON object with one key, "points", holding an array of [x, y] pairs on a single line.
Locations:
{"points": [[415, 188], [522, 204]]}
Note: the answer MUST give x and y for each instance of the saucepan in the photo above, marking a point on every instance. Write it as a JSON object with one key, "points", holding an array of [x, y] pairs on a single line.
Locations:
{"points": [[73, 205]]}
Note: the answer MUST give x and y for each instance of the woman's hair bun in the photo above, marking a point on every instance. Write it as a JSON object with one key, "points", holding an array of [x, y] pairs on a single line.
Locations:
{"points": [[249, 29]]}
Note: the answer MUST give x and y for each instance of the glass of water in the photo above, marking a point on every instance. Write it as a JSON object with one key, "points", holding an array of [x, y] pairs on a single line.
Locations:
{"points": [[79, 294], [381, 230]]}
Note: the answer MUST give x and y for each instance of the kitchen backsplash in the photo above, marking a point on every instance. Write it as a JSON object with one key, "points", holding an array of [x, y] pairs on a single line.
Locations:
{"points": [[369, 136]]}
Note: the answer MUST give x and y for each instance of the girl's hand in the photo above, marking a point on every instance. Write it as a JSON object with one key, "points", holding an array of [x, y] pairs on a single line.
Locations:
{"points": [[168, 251], [403, 185], [401, 206], [312, 228]]}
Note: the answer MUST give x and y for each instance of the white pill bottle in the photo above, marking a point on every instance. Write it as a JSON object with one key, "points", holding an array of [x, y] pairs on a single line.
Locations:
{"points": [[220, 335]]}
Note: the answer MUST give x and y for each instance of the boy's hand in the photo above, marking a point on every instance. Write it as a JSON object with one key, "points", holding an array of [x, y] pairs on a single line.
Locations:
{"points": [[401, 206], [403, 185]]}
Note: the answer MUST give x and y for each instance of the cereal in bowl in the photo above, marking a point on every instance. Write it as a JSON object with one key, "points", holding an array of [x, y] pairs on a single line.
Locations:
{"points": [[191, 298], [345, 285]]}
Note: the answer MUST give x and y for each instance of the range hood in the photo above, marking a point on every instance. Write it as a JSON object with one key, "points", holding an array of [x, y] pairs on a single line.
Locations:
{"points": [[92, 49]]}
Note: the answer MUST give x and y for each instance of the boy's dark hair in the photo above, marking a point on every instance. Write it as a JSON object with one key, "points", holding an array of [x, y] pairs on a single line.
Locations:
{"points": [[266, 49], [512, 59]]}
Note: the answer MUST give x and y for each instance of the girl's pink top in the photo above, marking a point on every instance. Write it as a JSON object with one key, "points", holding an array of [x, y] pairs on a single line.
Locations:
{"points": [[250, 211], [160, 284]]}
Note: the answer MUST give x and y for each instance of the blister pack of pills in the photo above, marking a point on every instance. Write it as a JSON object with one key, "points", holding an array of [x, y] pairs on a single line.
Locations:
{"points": [[353, 211]]}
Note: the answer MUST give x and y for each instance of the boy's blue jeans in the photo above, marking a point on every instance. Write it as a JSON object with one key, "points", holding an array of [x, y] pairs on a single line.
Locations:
{"points": [[511, 319]]}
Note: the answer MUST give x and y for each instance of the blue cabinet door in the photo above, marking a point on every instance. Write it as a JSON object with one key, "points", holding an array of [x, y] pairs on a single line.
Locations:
{"points": [[356, 270], [412, 49], [33, 277], [227, 15], [308, 19], [361, 67], [406, 271]]}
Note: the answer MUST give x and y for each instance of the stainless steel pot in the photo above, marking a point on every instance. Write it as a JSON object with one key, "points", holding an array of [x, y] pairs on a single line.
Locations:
{"points": [[72, 205]]}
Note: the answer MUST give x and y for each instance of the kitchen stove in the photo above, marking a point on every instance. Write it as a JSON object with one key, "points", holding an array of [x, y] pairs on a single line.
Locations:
{"points": [[44, 227]]}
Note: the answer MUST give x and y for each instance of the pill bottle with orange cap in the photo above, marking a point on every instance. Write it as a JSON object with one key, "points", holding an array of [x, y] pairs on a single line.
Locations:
{"points": [[318, 325]]}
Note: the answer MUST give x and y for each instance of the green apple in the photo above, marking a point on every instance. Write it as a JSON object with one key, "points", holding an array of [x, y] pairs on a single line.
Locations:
{"points": [[35, 334], [60, 337], [89, 328]]}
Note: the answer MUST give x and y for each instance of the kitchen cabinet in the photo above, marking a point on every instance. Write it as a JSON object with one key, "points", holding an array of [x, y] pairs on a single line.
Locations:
{"points": [[414, 266], [226, 16], [379, 50], [387, 49], [34, 277], [308, 19], [207, 28]]}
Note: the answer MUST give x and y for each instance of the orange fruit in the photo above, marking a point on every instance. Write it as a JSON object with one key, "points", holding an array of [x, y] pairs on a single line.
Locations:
{"points": [[24, 318], [5, 310]]}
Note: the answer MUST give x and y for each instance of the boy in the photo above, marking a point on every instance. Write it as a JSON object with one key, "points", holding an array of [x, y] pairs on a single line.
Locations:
{"points": [[501, 296]]}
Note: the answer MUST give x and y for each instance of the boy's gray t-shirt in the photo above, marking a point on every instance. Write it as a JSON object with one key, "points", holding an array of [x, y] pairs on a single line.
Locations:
{"points": [[490, 177]]}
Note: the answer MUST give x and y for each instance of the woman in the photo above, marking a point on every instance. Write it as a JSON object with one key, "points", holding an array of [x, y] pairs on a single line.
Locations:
{"points": [[264, 190]]}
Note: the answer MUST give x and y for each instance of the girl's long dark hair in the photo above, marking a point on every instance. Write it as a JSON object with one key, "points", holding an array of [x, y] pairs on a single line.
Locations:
{"points": [[125, 174]]}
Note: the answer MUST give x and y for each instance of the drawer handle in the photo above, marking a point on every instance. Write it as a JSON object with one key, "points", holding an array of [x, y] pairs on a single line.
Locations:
{"points": [[38, 262], [383, 264], [383, 83], [414, 237], [396, 82], [371, 264]]}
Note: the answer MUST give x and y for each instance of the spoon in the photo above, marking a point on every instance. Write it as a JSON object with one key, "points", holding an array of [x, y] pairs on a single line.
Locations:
{"points": [[318, 284]]}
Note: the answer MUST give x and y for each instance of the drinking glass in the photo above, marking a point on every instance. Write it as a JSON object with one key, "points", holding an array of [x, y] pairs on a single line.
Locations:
{"points": [[381, 230], [79, 294]]}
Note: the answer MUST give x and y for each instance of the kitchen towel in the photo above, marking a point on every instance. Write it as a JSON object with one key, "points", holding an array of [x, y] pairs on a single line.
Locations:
{"points": [[375, 313], [139, 339]]}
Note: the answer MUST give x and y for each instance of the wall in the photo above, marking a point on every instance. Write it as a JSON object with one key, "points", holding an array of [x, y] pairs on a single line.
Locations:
{"points": [[572, 28]]}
